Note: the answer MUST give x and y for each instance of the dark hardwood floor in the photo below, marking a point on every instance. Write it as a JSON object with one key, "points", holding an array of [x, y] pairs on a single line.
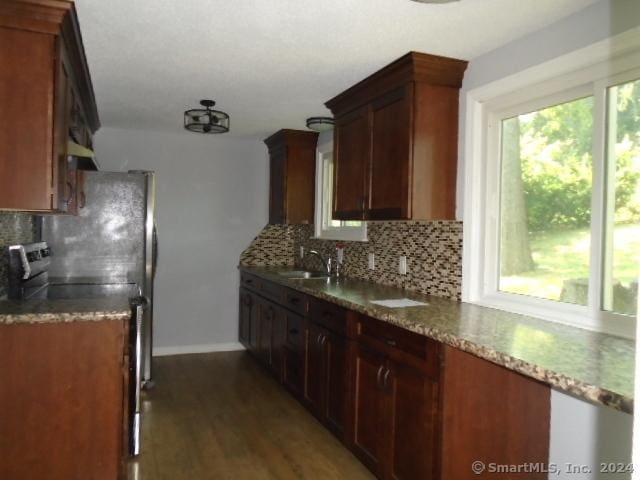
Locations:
{"points": [[220, 416]]}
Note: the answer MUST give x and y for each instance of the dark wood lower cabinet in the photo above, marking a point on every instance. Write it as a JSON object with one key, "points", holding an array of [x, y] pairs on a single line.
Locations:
{"points": [[414, 423], [267, 317], [326, 377], [63, 396], [246, 309], [336, 382], [313, 391], [293, 371], [407, 406], [369, 408], [491, 414], [395, 418]]}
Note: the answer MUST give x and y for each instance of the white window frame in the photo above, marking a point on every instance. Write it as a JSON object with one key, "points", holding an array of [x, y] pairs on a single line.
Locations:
{"points": [[584, 72], [322, 230]]}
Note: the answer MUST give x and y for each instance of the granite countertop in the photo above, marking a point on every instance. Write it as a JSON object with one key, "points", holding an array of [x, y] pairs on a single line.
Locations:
{"points": [[589, 365], [62, 311]]}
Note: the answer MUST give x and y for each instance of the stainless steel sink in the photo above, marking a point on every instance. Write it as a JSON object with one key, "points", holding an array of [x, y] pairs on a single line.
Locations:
{"points": [[302, 274]]}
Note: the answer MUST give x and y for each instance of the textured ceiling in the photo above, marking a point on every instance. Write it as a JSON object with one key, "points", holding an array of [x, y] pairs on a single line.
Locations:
{"points": [[272, 63]]}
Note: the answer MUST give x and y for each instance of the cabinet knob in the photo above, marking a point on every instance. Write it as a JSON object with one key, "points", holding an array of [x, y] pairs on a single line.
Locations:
{"points": [[248, 300], [391, 343]]}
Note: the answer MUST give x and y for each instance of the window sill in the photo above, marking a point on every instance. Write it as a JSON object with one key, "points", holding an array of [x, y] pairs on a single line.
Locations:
{"points": [[563, 314], [338, 238]]}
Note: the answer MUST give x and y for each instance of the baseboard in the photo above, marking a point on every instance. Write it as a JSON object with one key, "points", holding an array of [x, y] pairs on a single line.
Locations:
{"points": [[204, 348]]}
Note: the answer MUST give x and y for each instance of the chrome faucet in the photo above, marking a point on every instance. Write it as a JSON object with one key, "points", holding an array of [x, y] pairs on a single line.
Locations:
{"points": [[326, 263]]}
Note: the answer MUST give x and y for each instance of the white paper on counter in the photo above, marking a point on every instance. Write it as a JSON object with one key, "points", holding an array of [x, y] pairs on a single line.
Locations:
{"points": [[399, 303]]}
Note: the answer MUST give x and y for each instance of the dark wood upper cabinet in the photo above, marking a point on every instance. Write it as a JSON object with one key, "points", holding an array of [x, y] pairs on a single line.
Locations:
{"points": [[292, 174], [46, 99], [352, 146], [396, 135]]}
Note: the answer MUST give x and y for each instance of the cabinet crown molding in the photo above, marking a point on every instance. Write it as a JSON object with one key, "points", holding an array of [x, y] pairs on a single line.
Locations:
{"points": [[290, 136], [412, 67]]}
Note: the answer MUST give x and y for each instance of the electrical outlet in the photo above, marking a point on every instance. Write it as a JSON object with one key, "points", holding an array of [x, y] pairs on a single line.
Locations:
{"points": [[340, 255], [402, 265], [301, 252], [372, 261]]}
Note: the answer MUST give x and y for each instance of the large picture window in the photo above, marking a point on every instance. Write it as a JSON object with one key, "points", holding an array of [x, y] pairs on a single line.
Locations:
{"points": [[555, 199]]}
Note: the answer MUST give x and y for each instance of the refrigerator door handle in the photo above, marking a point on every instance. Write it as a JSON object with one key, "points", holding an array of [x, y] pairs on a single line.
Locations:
{"points": [[138, 304], [154, 260]]}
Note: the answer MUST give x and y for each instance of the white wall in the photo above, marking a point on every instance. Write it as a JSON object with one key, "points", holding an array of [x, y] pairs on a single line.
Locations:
{"points": [[211, 200], [587, 435], [596, 22], [581, 433]]}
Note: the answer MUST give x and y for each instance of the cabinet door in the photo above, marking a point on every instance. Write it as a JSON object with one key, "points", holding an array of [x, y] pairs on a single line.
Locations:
{"points": [[314, 388], [336, 381], [278, 339], [413, 413], [370, 409], [277, 186], [26, 90], [293, 371], [300, 183], [267, 315], [389, 178], [254, 325], [351, 156], [246, 308]]}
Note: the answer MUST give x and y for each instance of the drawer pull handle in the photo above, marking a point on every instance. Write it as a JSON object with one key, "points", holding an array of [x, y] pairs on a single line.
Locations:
{"points": [[293, 331], [385, 379], [323, 341], [391, 343], [294, 301], [378, 376], [248, 280]]}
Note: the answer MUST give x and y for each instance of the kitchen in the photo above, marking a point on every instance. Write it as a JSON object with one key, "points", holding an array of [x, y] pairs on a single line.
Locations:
{"points": [[260, 373]]}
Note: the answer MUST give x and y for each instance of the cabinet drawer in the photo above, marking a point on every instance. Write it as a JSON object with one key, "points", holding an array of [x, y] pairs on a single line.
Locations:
{"points": [[330, 316], [272, 290], [295, 331], [249, 281], [395, 341], [296, 301]]}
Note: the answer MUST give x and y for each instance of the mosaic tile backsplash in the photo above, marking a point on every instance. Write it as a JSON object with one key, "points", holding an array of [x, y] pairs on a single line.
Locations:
{"points": [[433, 250], [14, 228]]}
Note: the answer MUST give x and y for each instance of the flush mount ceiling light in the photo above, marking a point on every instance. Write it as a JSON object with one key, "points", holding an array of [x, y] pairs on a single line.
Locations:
{"points": [[320, 124], [206, 120]]}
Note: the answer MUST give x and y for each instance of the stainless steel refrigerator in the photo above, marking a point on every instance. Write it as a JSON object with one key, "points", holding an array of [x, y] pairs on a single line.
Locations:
{"points": [[112, 242]]}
